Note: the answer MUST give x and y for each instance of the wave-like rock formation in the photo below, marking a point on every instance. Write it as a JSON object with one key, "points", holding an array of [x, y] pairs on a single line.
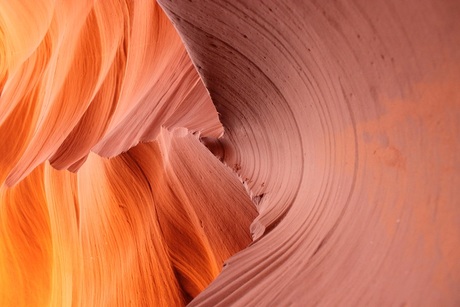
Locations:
{"points": [[139, 228], [100, 76], [339, 156], [81, 82], [345, 117]]}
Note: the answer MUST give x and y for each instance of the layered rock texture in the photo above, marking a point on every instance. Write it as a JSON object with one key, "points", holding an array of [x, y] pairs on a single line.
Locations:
{"points": [[220, 153]]}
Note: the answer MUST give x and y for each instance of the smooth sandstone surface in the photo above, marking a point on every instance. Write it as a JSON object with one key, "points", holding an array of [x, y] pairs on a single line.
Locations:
{"points": [[343, 118], [81, 82], [140, 228], [230, 153], [105, 76]]}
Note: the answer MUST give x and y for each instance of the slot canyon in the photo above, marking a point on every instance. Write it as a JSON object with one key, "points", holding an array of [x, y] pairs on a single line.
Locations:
{"points": [[229, 153]]}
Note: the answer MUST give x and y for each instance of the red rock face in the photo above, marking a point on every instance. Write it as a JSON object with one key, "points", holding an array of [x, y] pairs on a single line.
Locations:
{"points": [[334, 146], [345, 117]]}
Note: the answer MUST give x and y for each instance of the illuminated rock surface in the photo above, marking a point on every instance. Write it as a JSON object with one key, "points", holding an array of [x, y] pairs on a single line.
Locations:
{"points": [[339, 157], [104, 77], [151, 226]]}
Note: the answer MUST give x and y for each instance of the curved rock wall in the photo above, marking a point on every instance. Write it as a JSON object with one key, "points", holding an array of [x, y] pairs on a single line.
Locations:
{"points": [[343, 117], [326, 131]]}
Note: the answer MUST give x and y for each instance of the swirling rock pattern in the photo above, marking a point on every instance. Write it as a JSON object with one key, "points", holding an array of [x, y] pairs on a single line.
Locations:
{"points": [[119, 185], [343, 118], [103, 76], [98, 79], [139, 228]]}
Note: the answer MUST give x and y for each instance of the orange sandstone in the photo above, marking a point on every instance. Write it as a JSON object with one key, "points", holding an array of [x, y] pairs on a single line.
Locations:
{"points": [[339, 157]]}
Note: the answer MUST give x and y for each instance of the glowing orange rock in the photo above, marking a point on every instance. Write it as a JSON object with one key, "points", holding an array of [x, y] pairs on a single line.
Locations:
{"points": [[341, 124], [100, 76], [140, 228]]}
